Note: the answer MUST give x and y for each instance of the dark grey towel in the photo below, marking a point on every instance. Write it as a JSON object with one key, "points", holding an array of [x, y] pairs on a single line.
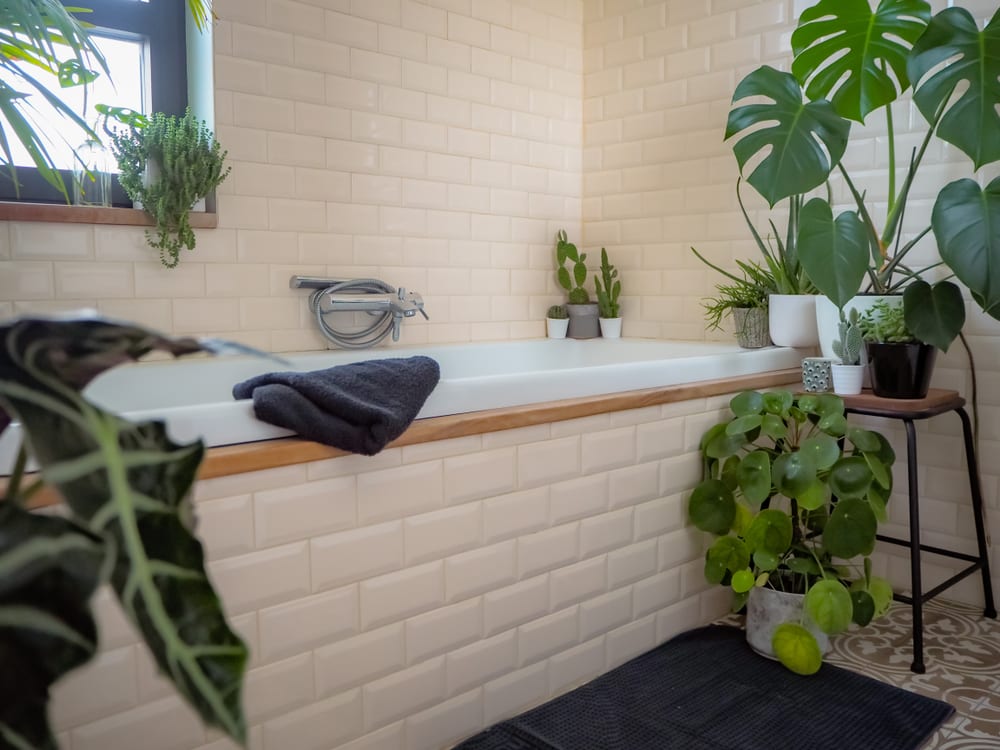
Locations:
{"points": [[358, 407]]}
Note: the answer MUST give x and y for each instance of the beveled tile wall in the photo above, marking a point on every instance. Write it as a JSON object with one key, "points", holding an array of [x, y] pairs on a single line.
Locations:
{"points": [[409, 599], [436, 145]]}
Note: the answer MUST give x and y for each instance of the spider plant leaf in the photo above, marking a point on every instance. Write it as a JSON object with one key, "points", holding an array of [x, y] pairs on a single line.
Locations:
{"points": [[49, 567], [801, 141], [128, 483], [951, 55], [844, 52]]}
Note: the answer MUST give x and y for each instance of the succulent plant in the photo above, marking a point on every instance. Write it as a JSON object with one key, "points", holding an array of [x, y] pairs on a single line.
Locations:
{"points": [[885, 323], [607, 296], [557, 312], [566, 250], [848, 346]]}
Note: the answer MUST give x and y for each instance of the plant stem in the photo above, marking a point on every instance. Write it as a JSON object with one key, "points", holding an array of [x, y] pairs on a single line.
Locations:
{"points": [[892, 158]]}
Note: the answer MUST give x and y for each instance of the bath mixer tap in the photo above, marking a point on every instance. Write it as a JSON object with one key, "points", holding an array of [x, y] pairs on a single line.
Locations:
{"points": [[375, 297]]}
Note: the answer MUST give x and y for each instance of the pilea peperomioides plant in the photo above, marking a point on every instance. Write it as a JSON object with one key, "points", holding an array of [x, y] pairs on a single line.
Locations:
{"points": [[852, 60], [127, 490], [793, 509]]}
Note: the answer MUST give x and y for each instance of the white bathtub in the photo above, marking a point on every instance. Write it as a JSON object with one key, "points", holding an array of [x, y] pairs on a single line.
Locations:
{"points": [[194, 395]]}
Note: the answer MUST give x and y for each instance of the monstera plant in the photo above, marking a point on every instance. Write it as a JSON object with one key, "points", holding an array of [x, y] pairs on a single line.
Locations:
{"points": [[849, 62], [793, 496], [126, 487]]}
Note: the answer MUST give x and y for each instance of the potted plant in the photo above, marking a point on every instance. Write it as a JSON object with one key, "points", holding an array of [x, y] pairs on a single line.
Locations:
{"points": [[167, 164], [793, 496], [583, 314], [848, 375], [127, 522], [853, 60], [556, 322], [900, 365], [745, 299], [791, 305], [607, 299]]}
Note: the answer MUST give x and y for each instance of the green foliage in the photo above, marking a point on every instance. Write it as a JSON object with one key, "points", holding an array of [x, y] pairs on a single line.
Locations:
{"points": [[750, 290], [781, 259], [848, 346], [571, 282], [557, 312], [853, 61], [127, 490], [785, 501], [885, 323], [168, 164], [607, 296]]}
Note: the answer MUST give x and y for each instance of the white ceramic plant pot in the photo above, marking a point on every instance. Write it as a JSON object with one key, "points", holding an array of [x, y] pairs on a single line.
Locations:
{"points": [[848, 379], [611, 328], [556, 327], [792, 320], [767, 609], [828, 317]]}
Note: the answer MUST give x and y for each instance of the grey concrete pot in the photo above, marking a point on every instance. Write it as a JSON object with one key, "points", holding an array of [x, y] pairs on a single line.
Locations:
{"points": [[767, 609], [584, 321], [751, 327]]}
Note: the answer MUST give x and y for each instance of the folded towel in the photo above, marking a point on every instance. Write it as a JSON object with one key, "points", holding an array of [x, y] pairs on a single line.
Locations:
{"points": [[358, 407]]}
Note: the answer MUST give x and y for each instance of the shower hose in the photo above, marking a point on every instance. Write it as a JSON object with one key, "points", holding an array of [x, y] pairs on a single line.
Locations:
{"points": [[366, 337]]}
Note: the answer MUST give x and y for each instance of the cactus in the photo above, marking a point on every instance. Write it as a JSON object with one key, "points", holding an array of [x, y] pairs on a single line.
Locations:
{"points": [[557, 312], [607, 296], [848, 346], [572, 284]]}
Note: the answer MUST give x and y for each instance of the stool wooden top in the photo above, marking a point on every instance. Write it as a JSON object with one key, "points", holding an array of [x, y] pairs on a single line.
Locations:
{"points": [[937, 401]]}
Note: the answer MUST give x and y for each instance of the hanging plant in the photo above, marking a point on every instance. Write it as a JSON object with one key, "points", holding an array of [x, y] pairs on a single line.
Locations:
{"points": [[168, 164]]}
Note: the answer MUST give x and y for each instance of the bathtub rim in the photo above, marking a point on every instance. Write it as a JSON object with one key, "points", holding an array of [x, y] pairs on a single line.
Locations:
{"points": [[262, 455]]}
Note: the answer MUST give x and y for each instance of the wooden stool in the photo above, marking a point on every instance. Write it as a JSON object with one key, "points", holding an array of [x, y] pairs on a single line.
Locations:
{"points": [[936, 402]]}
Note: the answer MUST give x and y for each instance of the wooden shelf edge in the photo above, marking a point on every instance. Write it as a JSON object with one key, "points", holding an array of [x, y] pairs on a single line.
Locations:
{"points": [[65, 214]]}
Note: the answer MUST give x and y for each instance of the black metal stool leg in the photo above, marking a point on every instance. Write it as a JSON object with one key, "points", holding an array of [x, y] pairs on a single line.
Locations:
{"points": [[977, 510], [915, 582]]}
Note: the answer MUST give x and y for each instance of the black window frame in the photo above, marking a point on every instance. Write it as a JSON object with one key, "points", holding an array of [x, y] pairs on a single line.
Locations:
{"points": [[162, 23]]}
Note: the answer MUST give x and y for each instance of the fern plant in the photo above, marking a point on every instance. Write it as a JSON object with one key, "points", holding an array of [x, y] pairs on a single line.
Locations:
{"points": [[168, 164]]}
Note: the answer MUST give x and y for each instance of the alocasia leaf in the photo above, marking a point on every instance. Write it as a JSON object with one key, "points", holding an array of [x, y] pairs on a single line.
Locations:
{"points": [[129, 484], [801, 142], [49, 567], [856, 57], [971, 65]]}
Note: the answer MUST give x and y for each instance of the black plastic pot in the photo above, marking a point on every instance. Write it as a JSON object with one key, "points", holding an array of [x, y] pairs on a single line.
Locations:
{"points": [[900, 370]]}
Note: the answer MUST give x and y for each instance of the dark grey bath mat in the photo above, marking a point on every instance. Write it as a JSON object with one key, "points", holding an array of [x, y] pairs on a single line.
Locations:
{"points": [[706, 690]]}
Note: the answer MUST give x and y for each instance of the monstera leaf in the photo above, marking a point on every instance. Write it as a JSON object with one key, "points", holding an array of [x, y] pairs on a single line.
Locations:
{"points": [[833, 252], [844, 52], [49, 567], [966, 221], [934, 314], [801, 142], [128, 484], [970, 59]]}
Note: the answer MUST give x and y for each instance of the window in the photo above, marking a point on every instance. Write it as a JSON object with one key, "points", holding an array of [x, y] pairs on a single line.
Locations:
{"points": [[144, 45]]}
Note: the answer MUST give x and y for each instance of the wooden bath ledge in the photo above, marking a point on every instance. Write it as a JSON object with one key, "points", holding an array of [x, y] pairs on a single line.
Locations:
{"points": [[271, 454]]}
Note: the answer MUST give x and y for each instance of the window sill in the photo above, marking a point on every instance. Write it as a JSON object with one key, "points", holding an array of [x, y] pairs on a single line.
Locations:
{"points": [[66, 214]]}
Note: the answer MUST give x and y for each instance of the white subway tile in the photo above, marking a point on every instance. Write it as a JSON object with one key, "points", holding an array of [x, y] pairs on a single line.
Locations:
{"points": [[576, 665], [576, 498], [543, 463], [605, 532], [514, 514], [679, 547], [403, 693], [480, 570], [574, 583], [632, 563], [629, 641], [478, 475], [401, 491], [375, 66], [388, 738], [25, 280], [445, 723], [680, 474], [431, 536], [513, 605], [276, 688], [605, 613], [304, 624], [427, 19], [548, 549], [327, 57], [508, 695], [317, 725], [443, 630], [225, 526], [401, 594], [161, 725], [354, 555], [351, 30], [359, 660], [255, 580], [103, 687], [448, 53]]}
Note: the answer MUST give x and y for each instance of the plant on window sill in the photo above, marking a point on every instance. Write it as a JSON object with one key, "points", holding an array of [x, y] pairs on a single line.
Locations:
{"points": [[167, 164]]}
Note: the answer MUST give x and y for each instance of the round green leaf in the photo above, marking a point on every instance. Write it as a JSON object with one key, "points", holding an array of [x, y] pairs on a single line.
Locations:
{"points": [[742, 425], [796, 649], [724, 446], [774, 427], [727, 553], [865, 441], [712, 507], [743, 581], [730, 473], [828, 404], [742, 520], [851, 529], [792, 473], [715, 570], [771, 531], [885, 453], [711, 434], [815, 496], [850, 477], [801, 141], [755, 477], [765, 560], [829, 605], [881, 593], [823, 449], [878, 499], [879, 472], [805, 565], [777, 402], [833, 424], [748, 402], [864, 607], [808, 403]]}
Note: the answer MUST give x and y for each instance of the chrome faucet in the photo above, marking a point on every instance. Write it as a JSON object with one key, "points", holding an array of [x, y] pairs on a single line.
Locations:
{"points": [[361, 295]]}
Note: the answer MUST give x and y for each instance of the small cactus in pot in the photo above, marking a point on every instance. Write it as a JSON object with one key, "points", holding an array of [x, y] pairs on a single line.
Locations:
{"points": [[571, 273], [849, 374]]}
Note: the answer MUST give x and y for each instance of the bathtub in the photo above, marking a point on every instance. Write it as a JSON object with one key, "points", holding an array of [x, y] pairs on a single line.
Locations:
{"points": [[194, 395]]}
